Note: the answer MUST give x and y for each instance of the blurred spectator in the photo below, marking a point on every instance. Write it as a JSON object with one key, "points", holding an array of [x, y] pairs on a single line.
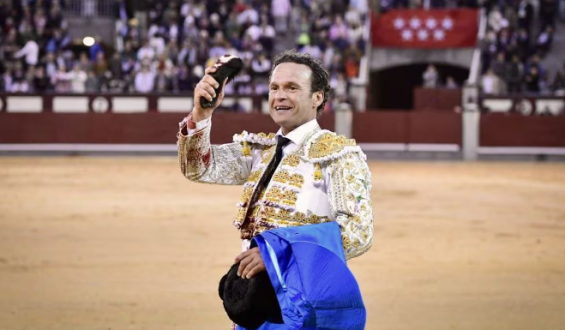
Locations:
{"points": [[100, 66], [30, 51], [514, 75], [162, 82], [339, 87], [185, 80], [40, 81], [430, 77], [91, 84], [61, 80], [338, 33], [525, 14], [144, 80], [547, 11], [164, 64], [59, 41], [532, 80], [558, 84], [115, 65], [267, 36], [96, 49], [496, 21], [78, 78], [523, 40], [19, 85], [499, 69], [84, 62], [352, 61], [261, 66], [545, 38], [451, 83], [146, 51], [490, 83], [281, 11], [7, 81]]}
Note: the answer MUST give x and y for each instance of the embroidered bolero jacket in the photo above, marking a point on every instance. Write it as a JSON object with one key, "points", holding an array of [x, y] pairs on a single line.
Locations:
{"points": [[326, 178]]}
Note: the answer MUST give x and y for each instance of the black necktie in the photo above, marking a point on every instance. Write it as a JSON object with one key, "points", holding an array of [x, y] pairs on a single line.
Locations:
{"points": [[270, 170], [281, 142]]}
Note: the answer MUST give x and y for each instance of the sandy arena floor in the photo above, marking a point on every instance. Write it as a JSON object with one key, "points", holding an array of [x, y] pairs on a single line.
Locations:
{"points": [[128, 243]]}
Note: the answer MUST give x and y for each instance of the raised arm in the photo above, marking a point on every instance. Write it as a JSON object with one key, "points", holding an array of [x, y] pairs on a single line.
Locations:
{"points": [[198, 159], [202, 162]]}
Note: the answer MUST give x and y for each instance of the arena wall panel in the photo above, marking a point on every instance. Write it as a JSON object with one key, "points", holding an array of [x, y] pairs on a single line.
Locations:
{"points": [[436, 99], [150, 127], [381, 127], [435, 127], [515, 130]]}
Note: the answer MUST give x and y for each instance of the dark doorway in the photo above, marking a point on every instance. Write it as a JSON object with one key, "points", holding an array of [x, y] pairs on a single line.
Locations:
{"points": [[392, 88]]}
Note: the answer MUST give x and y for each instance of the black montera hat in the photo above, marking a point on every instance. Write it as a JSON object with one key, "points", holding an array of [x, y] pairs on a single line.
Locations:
{"points": [[249, 302]]}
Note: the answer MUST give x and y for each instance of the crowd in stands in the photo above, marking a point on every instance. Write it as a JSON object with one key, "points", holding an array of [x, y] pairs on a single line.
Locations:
{"points": [[513, 49], [181, 39]]}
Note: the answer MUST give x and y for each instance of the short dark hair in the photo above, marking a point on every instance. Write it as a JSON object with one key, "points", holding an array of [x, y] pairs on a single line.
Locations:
{"points": [[320, 79]]}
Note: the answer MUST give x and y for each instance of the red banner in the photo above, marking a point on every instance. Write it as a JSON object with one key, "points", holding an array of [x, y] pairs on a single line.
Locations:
{"points": [[416, 28]]}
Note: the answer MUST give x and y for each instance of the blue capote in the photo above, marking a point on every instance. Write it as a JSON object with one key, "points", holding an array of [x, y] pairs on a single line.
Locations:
{"points": [[307, 268]]}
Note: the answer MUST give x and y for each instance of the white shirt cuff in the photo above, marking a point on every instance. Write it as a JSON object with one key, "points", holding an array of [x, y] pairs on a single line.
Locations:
{"points": [[199, 126]]}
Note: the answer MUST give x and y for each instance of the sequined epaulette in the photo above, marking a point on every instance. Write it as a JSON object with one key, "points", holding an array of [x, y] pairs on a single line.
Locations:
{"points": [[325, 145], [259, 138]]}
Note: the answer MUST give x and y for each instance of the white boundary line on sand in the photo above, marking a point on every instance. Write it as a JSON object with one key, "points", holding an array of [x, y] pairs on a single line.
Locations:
{"points": [[410, 147], [521, 151], [87, 147]]}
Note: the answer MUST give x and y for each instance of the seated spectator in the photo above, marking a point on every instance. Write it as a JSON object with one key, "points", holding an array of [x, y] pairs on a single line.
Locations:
{"points": [[352, 61], [84, 62], [260, 66], [547, 11], [61, 80], [219, 46], [267, 36], [92, 83], [164, 64], [115, 65], [248, 16], [186, 80], [280, 10], [558, 84], [41, 83], [340, 87], [100, 66], [514, 79], [19, 85], [525, 14], [496, 21], [313, 50], [451, 83], [523, 40], [146, 51], [6, 81], [490, 83], [59, 41], [144, 80], [78, 78], [157, 42], [532, 80], [338, 33], [431, 77], [163, 83]]}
